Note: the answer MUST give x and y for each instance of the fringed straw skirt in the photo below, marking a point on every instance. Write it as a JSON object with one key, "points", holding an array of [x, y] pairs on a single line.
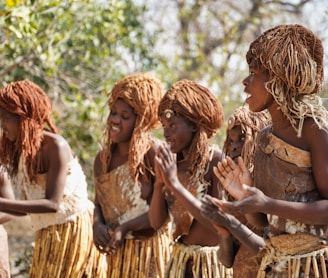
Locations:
{"points": [[67, 250], [294, 255], [141, 258], [198, 261]]}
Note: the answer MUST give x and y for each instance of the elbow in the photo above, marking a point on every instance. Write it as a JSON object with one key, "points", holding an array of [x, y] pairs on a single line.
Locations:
{"points": [[155, 223], [54, 206]]}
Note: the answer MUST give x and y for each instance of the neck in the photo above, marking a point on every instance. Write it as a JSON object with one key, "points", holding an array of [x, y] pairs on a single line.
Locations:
{"points": [[279, 120], [123, 148]]}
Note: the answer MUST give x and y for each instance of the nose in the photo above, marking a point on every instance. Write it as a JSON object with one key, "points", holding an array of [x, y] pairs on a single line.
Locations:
{"points": [[245, 81], [114, 118], [233, 146], [166, 133]]}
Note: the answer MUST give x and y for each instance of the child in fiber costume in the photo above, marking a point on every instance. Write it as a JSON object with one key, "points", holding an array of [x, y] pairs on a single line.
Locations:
{"points": [[48, 183], [288, 192], [190, 115], [124, 176], [242, 131]]}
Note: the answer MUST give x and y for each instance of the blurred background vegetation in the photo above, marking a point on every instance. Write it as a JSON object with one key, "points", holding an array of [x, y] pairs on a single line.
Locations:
{"points": [[77, 50]]}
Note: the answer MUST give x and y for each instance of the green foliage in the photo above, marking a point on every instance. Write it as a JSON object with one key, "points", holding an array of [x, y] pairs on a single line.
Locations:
{"points": [[75, 50]]}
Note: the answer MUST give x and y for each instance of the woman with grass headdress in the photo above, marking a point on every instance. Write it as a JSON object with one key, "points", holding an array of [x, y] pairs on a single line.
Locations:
{"points": [[190, 116], [288, 192], [124, 178], [48, 183]]}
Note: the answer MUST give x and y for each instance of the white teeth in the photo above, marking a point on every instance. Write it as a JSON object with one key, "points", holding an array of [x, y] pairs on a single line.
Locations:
{"points": [[114, 128]]}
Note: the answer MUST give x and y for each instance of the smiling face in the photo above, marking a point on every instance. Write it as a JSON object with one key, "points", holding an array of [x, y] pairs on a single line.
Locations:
{"points": [[178, 133], [121, 121], [258, 97], [235, 142], [9, 124]]}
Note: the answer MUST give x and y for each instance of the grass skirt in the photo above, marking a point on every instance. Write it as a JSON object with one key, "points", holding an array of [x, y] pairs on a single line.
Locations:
{"points": [[203, 259], [67, 250], [141, 258]]}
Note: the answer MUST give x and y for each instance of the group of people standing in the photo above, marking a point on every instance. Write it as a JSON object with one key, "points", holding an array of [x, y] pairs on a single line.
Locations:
{"points": [[181, 207]]}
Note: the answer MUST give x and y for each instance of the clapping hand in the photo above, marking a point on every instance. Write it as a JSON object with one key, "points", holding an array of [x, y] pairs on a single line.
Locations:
{"points": [[232, 177]]}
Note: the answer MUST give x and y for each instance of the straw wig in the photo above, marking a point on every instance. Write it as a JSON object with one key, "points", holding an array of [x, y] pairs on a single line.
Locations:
{"points": [[198, 105], [28, 101], [251, 123], [143, 93], [293, 58]]}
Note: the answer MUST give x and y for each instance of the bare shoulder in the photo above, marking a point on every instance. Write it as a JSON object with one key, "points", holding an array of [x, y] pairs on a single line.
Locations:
{"points": [[314, 136], [98, 165], [216, 155], [55, 145]]}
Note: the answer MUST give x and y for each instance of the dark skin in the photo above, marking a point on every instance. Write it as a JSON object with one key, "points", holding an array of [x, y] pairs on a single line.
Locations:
{"points": [[236, 179], [55, 154], [178, 133], [235, 140], [121, 122]]}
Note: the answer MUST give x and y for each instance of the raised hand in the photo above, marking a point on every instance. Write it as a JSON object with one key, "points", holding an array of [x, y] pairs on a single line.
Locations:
{"points": [[166, 164], [232, 176]]}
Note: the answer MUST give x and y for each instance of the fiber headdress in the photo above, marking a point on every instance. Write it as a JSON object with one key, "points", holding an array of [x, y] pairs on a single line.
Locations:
{"points": [[251, 124], [293, 57], [143, 93], [32, 105], [198, 105]]}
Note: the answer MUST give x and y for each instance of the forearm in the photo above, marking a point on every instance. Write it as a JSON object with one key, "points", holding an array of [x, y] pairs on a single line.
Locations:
{"points": [[97, 215], [245, 236], [312, 213], [139, 223], [20, 207], [158, 212]]}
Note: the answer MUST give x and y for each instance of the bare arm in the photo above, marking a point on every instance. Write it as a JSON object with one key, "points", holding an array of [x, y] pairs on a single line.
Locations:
{"points": [[158, 211], [6, 192], [211, 210], [57, 154], [313, 213]]}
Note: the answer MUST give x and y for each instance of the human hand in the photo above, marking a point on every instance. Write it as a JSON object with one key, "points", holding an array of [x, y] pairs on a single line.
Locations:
{"points": [[232, 176], [254, 201], [210, 209], [101, 236], [117, 238], [167, 166], [159, 180]]}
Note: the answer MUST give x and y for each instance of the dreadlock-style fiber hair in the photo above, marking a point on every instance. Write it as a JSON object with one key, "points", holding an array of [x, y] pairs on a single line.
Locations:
{"points": [[199, 106], [293, 57], [28, 101], [143, 93], [251, 124]]}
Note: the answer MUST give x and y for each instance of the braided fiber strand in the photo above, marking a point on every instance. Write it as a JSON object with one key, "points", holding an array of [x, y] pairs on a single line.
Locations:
{"points": [[143, 93], [32, 105], [293, 57], [251, 124], [198, 105]]}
